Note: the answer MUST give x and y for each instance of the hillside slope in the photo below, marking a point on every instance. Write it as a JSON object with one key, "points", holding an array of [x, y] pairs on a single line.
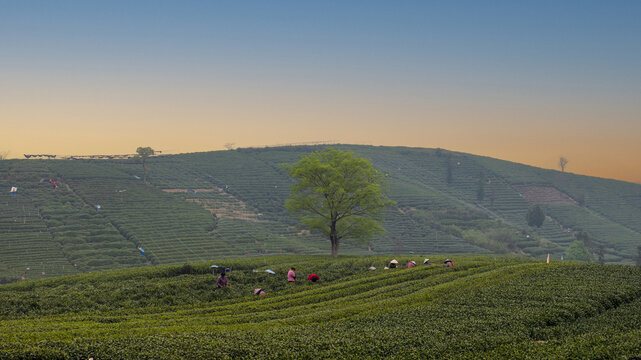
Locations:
{"points": [[229, 203], [484, 307]]}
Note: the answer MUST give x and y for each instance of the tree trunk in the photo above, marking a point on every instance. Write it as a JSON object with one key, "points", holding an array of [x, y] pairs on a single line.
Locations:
{"points": [[334, 247], [144, 173], [333, 238]]}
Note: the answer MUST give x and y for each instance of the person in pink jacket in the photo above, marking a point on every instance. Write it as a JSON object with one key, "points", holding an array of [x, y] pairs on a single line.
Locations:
{"points": [[291, 275]]}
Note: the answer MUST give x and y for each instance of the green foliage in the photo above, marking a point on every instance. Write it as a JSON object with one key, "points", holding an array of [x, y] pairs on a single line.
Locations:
{"points": [[535, 216], [505, 237], [499, 240], [48, 231], [143, 154], [480, 238], [619, 239], [600, 253], [484, 307], [578, 251], [339, 195]]}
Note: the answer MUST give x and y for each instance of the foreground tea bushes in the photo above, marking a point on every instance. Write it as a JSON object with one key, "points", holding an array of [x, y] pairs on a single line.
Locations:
{"points": [[484, 307]]}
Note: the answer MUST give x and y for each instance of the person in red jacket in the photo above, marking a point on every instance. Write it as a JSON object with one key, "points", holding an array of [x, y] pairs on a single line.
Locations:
{"points": [[313, 278]]}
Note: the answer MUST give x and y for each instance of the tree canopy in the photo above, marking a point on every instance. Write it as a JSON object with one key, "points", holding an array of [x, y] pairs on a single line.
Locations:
{"points": [[339, 194], [535, 216], [143, 154], [577, 251]]}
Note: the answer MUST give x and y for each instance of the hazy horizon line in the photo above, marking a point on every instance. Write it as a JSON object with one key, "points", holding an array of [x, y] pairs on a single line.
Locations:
{"points": [[9, 155]]}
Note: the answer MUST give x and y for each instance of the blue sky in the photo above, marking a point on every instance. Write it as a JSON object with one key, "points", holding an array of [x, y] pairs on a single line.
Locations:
{"points": [[485, 77]]}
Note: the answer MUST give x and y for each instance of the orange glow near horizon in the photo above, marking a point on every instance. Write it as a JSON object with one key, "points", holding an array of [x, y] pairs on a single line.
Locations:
{"points": [[78, 122], [594, 152], [521, 81]]}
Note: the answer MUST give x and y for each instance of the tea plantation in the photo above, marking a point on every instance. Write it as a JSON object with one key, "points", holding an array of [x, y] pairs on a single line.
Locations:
{"points": [[220, 204], [485, 307]]}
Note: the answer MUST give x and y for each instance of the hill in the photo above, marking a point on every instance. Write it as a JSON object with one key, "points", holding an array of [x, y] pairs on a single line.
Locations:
{"points": [[485, 307], [230, 203]]}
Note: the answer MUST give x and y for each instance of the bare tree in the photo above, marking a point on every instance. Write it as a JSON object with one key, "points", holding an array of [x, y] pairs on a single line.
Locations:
{"points": [[229, 145], [562, 162], [4, 155]]}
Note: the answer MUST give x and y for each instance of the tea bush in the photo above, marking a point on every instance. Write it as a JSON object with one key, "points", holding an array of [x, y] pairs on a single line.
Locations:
{"points": [[484, 307]]}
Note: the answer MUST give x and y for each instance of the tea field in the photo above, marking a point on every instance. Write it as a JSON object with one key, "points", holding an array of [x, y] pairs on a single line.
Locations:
{"points": [[485, 307], [221, 204]]}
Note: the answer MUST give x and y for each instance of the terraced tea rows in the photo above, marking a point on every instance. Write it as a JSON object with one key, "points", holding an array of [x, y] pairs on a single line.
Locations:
{"points": [[483, 307], [476, 209]]}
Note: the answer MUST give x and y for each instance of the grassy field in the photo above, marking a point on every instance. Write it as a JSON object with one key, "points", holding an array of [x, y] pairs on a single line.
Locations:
{"points": [[485, 307], [219, 204]]}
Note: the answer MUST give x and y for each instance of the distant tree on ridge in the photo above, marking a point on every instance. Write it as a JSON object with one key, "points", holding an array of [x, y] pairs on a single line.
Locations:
{"points": [[562, 163], [143, 154]]}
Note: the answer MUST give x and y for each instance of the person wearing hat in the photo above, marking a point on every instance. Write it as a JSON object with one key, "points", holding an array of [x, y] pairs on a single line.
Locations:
{"points": [[448, 263], [411, 264], [259, 292], [313, 278], [427, 262], [222, 281], [393, 264]]}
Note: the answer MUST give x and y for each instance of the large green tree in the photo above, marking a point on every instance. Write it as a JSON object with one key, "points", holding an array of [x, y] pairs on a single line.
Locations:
{"points": [[143, 154], [339, 194]]}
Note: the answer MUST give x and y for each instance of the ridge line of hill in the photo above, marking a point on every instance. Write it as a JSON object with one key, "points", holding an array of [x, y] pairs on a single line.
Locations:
{"points": [[478, 211]]}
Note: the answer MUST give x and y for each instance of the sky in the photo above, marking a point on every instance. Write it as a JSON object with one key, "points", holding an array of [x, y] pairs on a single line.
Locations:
{"points": [[525, 81]]}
